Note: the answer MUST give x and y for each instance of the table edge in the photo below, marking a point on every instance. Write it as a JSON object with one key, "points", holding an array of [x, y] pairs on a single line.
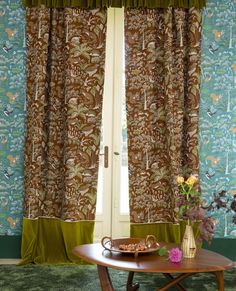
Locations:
{"points": [[210, 270]]}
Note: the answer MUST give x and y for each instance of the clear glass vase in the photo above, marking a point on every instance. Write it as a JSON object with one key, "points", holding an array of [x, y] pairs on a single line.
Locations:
{"points": [[188, 244]]}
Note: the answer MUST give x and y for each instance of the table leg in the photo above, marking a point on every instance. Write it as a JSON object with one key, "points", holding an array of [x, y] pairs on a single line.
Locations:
{"points": [[130, 286], [220, 280], [105, 279], [178, 285], [175, 281]]}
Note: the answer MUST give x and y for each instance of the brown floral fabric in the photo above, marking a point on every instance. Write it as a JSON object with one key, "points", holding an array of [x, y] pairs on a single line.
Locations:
{"points": [[162, 94], [66, 55]]}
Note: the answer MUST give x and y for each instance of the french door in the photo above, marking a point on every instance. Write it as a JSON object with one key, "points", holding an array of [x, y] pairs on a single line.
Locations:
{"points": [[112, 215]]}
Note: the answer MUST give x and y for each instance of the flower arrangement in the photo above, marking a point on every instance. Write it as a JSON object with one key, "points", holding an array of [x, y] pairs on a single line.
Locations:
{"points": [[190, 208], [186, 189]]}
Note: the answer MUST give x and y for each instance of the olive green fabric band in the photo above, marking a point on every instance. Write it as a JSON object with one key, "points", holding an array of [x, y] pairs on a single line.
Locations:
{"points": [[116, 3], [165, 232], [51, 241]]}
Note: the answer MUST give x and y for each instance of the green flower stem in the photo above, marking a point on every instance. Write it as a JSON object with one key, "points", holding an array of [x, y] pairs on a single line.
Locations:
{"points": [[187, 193]]}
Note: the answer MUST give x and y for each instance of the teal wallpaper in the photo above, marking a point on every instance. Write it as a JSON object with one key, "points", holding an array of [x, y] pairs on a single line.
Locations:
{"points": [[218, 115], [12, 114]]}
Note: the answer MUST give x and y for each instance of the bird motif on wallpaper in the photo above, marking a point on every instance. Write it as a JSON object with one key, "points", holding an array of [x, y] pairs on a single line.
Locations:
{"points": [[215, 98], [7, 111], [214, 160], [10, 33], [7, 47], [210, 113], [212, 50], [234, 67], [12, 97], [217, 34], [209, 175], [7, 174], [12, 222], [12, 160]]}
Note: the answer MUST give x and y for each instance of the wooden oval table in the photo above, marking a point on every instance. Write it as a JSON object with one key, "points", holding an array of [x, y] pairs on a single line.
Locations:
{"points": [[205, 261]]}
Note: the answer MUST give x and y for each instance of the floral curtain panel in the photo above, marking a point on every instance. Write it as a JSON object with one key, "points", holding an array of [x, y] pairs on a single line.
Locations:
{"points": [[64, 89], [162, 90]]}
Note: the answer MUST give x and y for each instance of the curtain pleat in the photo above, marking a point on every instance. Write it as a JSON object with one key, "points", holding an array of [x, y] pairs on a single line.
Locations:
{"points": [[51, 241], [116, 3], [162, 100], [164, 232]]}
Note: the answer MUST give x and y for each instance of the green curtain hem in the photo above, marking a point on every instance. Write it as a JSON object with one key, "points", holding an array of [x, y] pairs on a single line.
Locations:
{"points": [[51, 240], [164, 232], [116, 3]]}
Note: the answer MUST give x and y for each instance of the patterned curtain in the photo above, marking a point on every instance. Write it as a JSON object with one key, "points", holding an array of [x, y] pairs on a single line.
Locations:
{"points": [[162, 90], [66, 55]]}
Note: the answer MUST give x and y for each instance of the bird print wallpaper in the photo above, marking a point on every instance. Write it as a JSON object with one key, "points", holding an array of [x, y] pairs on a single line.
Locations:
{"points": [[12, 114], [218, 115]]}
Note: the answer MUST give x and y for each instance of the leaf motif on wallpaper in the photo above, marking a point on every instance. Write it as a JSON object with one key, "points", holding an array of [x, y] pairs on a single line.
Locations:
{"points": [[4, 200]]}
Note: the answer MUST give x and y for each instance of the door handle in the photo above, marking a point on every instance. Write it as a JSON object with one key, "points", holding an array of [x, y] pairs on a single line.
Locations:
{"points": [[105, 154], [106, 160]]}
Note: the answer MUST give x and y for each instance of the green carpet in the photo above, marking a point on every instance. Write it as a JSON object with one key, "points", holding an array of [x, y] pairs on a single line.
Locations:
{"points": [[85, 278]]}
